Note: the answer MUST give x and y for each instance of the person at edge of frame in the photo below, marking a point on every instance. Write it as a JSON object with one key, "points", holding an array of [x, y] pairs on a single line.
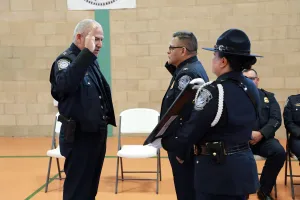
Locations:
{"points": [[263, 142]]}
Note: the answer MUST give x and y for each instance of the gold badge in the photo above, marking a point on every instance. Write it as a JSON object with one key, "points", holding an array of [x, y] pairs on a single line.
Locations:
{"points": [[266, 100], [297, 104]]}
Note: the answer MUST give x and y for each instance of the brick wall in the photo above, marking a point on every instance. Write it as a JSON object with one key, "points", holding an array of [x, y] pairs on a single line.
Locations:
{"points": [[34, 32], [140, 40]]}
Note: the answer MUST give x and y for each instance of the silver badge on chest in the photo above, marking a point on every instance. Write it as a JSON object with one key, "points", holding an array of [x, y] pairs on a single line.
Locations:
{"points": [[183, 81]]}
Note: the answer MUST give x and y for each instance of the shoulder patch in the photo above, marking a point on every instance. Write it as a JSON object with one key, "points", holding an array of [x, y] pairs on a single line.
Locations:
{"points": [[63, 63], [204, 97], [183, 81]]}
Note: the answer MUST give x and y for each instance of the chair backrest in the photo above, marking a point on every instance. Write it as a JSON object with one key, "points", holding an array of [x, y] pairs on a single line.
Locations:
{"points": [[138, 120], [57, 125]]}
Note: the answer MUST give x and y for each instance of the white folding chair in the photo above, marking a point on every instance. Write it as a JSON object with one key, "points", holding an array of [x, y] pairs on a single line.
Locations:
{"points": [[133, 121], [260, 158], [54, 152]]}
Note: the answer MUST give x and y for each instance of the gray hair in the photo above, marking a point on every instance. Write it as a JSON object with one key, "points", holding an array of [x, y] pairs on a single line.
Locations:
{"points": [[188, 39], [84, 26]]}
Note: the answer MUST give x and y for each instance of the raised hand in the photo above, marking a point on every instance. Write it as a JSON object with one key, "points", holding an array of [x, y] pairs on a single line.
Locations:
{"points": [[90, 42]]}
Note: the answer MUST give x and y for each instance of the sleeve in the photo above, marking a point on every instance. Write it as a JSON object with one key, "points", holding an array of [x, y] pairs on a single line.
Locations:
{"points": [[68, 75], [275, 118], [199, 123], [290, 126], [170, 68]]}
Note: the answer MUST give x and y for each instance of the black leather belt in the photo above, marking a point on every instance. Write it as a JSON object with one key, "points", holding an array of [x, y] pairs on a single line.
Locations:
{"points": [[227, 151]]}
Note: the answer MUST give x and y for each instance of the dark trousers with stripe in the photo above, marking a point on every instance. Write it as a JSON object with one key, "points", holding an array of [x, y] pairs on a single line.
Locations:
{"points": [[183, 175], [83, 164]]}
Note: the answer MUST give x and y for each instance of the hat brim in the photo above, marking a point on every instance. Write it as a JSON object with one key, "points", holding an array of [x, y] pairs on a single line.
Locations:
{"points": [[231, 53]]}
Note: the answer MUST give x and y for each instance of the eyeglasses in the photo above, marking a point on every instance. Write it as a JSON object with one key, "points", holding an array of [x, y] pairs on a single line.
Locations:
{"points": [[252, 78], [171, 48]]}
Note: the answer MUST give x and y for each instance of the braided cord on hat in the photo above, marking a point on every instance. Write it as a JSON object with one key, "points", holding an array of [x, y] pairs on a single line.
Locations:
{"points": [[220, 101]]}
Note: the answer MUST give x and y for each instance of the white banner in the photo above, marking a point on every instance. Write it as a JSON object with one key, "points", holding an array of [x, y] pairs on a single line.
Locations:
{"points": [[100, 4]]}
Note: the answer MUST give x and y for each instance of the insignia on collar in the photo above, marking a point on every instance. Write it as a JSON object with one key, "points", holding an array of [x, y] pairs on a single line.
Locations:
{"points": [[204, 97], [266, 100], [297, 104], [183, 81], [63, 64]]}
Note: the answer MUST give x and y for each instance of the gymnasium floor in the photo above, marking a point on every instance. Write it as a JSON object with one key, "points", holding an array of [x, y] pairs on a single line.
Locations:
{"points": [[23, 165]]}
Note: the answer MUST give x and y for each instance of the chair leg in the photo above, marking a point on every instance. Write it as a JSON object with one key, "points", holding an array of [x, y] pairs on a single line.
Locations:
{"points": [[285, 171], [48, 174], [117, 176], [157, 174], [291, 176], [58, 167], [122, 171], [160, 167]]}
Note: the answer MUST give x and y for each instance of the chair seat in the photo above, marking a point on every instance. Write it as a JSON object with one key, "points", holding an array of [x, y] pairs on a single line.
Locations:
{"points": [[137, 151], [257, 157], [54, 153]]}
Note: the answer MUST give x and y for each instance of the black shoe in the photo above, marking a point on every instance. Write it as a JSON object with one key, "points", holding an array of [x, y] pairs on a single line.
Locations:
{"points": [[262, 196]]}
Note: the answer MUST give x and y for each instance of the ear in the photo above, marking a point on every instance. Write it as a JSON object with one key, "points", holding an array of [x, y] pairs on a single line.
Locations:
{"points": [[184, 51], [224, 62], [78, 37]]}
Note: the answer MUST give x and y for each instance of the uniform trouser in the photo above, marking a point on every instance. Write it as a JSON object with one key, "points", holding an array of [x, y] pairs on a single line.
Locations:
{"points": [[275, 154], [203, 196], [183, 175], [83, 165], [295, 146]]}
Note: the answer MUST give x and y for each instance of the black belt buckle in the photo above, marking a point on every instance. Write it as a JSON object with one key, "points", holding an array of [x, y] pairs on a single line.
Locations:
{"points": [[217, 150]]}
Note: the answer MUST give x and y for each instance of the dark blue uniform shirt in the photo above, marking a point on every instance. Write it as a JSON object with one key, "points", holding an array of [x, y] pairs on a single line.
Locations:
{"points": [[81, 89]]}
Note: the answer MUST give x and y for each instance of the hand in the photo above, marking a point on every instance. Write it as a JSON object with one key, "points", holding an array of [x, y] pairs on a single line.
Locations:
{"points": [[179, 160], [256, 137], [156, 143], [90, 42], [197, 83]]}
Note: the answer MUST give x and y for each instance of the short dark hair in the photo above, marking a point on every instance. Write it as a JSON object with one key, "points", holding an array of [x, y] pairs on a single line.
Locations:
{"points": [[238, 62], [247, 70], [189, 40]]}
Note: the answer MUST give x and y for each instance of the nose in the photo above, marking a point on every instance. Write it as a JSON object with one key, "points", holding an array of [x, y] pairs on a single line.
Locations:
{"points": [[99, 44]]}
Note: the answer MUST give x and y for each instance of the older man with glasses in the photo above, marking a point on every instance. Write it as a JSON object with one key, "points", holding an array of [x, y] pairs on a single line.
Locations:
{"points": [[263, 142]]}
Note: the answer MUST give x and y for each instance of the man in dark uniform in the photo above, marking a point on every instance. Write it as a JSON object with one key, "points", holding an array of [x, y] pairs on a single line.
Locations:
{"points": [[184, 66], [85, 108], [291, 116], [221, 125], [263, 142]]}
